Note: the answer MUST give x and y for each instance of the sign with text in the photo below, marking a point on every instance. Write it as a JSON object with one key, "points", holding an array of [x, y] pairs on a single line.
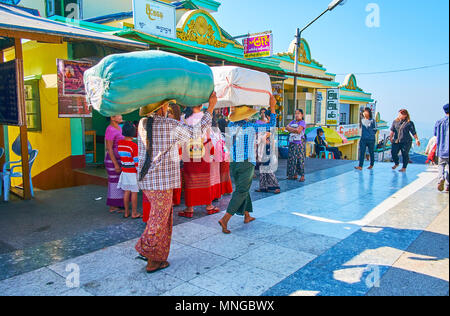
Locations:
{"points": [[349, 131], [154, 17], [332, 118], [9, 98], [259, 45], [71, 92]]}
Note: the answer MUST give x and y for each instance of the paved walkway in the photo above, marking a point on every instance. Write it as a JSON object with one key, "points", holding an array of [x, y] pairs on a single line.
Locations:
{"points": [[348, 233]]}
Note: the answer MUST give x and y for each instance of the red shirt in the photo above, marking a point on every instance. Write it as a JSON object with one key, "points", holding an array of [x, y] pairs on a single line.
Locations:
{"points": [[128, 152]]}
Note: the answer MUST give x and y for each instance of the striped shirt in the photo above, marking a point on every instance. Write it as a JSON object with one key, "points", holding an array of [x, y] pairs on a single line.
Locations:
{"points": [[242, 138], [128, 152], [168, 134]]}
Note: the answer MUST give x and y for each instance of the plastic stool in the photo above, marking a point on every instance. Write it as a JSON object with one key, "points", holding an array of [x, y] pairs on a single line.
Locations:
{"points": [[326, 155]]}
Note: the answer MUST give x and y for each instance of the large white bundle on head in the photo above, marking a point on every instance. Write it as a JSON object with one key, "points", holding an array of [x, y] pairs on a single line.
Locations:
{"points": [[236, 86]]}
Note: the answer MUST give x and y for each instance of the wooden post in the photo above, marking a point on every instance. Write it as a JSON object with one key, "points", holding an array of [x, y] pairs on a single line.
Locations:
{"points": [[23, 126], [2, 135]]}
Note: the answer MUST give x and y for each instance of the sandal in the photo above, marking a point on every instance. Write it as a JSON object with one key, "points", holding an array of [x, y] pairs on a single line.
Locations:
{"points": [[213, 211], [262, 191], [137, 217], [186, 214], [162, 266]]}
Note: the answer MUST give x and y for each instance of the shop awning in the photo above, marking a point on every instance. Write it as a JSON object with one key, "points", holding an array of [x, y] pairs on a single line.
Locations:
{"points": [[17, 23]]}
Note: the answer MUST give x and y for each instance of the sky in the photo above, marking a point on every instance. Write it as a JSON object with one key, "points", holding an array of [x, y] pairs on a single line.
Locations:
{"points": [[410, 34]]}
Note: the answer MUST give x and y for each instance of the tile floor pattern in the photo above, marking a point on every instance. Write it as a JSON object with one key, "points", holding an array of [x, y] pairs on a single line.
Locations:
{"points": [[304, 242]]}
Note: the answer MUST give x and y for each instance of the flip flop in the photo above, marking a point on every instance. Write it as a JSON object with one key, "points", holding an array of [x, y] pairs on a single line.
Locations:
{"points": [[262, 191], [213, 211], [162, 266], [186, 214], [138, 217]]}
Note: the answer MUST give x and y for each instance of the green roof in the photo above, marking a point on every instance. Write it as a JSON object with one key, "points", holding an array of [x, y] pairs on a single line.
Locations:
{"points": [[178, 46]]}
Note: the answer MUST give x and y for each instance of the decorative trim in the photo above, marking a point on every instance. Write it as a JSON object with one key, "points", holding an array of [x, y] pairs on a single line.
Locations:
{"points": [[200, 31]]}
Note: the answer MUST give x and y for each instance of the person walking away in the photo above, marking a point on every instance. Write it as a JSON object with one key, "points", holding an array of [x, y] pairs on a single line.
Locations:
{"points": [[297, 146], [241, 139], [368, 138], [197, 169], [128, 152], [267, 156], [113, 135], [441, 132], [401, 139], [159, 174]]}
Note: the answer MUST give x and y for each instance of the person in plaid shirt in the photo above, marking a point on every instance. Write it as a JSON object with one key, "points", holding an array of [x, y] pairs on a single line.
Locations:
{"points": [[241, 138], [159, 174]]}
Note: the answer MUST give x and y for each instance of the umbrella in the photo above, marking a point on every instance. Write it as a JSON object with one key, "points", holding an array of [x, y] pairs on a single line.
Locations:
{"points": [[330, 135]]}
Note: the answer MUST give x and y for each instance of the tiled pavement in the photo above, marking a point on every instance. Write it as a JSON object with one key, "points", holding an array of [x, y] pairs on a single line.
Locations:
{"points": [[337, 236]]}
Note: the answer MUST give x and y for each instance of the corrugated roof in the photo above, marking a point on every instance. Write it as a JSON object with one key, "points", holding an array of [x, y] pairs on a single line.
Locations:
{"points": [[14, 20]]}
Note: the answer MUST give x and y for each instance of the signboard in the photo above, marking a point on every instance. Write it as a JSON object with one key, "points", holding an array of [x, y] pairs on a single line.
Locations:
{"points": [[154, 17], [318, 108], [9, 100], [71, 92], [349, 131], [373, 107], [258, 45], [333, 105]]}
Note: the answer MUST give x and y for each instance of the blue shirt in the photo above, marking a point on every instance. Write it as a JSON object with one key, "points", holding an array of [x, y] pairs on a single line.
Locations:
{"points": [[441, 132], [242, 138]]}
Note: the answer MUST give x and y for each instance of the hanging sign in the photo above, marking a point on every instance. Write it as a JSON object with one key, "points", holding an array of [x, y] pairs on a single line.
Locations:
{"points": [[333, 105], [71, 91], [258, 45], [9, 95], [155, 17]]}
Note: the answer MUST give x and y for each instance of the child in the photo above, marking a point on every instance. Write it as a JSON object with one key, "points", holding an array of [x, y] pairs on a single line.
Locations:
{"points": [[128, 152]]}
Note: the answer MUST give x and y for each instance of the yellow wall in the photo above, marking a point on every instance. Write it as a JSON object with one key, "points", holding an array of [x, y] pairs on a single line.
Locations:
{"points": [[53, 142]]}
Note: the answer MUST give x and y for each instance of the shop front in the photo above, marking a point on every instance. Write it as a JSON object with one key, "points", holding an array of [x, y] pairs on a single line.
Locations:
{"points": [[353, 100], [58, 138]]}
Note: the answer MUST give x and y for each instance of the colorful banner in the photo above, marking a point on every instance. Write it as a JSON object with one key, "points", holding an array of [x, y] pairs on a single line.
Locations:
{"points": [[154, 17], [71, 92], [258, 46], [349, 131], [333, 106]]}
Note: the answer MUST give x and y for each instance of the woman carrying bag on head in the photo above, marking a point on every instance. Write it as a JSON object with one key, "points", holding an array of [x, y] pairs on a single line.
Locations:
{"points": [[159, 174]]}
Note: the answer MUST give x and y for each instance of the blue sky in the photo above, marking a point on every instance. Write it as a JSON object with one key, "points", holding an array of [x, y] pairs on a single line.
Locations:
{"points": [[411, 34]]}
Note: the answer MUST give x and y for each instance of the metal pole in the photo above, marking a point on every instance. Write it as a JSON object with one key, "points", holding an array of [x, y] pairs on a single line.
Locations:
{"points": [[297, 47]]}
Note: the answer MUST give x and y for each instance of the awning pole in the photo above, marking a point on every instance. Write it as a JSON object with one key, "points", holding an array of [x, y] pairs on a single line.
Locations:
{"points": [[23, 116], [2, 135]]}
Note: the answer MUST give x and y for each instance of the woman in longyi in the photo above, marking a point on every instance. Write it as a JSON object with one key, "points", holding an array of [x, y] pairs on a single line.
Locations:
{"points": [[159, 175]]}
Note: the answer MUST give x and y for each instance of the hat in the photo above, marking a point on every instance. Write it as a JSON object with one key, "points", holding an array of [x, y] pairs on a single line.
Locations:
{"points": [[446, 108], [148, 109], [241, 113]]}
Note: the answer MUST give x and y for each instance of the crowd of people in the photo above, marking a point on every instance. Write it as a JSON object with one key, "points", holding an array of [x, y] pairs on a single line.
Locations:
{"points": [[201, 150]]}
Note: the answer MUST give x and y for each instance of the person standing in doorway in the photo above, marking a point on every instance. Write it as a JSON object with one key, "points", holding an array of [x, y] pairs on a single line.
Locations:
{"points": [[368, 138], [441, 132], [401, 139], [113, 166]]}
